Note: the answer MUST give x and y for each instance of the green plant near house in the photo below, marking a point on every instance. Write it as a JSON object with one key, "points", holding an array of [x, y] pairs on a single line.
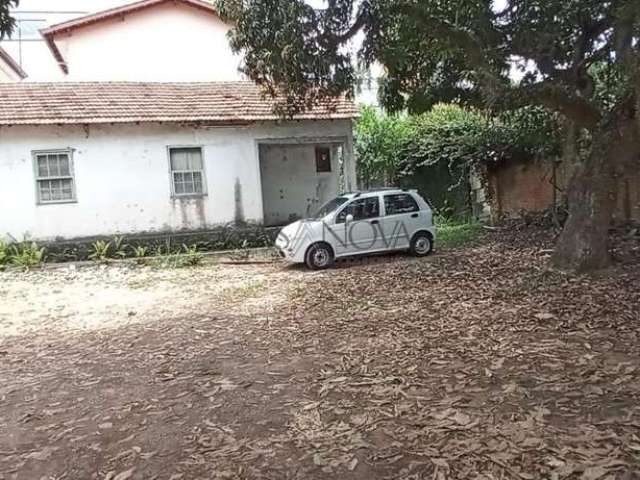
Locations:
{"points": [[27, 255], [141, 253], [119, 247], [100, 251], [4, 254], [192, 257]]}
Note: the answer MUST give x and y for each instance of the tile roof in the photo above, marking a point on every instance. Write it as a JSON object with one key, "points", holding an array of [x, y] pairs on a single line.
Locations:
{"points": [[50, 32], [132, 102], [4, 55]]}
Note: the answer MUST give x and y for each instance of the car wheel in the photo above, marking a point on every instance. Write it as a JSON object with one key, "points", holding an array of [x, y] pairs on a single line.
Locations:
{"points": [[319, 256], [421, 245]]}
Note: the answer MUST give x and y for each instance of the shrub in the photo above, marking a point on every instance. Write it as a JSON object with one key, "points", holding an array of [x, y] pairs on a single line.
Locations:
{"points": [[4, 254], [27, 255], [396, 149], [100, 251], [192, 256], [119, 247]]}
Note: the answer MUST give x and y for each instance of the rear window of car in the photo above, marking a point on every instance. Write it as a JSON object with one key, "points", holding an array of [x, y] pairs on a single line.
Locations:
{"points": [[398, 204]]}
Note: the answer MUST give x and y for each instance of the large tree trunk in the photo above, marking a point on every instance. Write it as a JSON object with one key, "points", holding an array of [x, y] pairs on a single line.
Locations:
{"points": [[584, 242]]}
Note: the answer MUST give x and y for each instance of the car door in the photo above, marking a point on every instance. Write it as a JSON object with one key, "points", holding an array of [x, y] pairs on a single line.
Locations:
{"points": [[361, 235], [402, 218]]}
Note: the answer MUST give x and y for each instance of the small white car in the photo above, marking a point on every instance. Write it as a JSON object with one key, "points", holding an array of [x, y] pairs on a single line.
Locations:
{"points": [[360, 224]]}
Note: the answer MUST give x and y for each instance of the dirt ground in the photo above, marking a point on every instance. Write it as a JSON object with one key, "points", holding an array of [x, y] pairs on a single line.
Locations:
{"points": [[478, 363]]}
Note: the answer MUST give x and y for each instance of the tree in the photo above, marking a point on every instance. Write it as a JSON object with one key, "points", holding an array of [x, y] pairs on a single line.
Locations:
{"points": [[7, 22], [462, 50]]}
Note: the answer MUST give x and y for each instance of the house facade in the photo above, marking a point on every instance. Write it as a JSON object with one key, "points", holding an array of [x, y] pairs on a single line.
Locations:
{"points": [[148, 41], [185, 152]]}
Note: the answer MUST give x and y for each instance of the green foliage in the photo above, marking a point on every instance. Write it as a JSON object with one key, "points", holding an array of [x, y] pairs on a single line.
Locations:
{"points": [[379, 141], [103, 250], [288, 46], [140, 251], [4, 254], [192, 257], [119, 247], [100, 251], [452, 234], [440, 50], [393, 148], [7, 23], [188, 256], [27, 255]]}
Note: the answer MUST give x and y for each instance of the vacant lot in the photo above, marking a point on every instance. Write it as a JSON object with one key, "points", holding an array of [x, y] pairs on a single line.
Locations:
{"points": [[479, 362]]}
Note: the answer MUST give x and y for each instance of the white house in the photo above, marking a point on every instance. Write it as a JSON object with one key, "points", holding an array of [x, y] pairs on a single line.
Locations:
{"points": [[10, 71], [114, 153]]}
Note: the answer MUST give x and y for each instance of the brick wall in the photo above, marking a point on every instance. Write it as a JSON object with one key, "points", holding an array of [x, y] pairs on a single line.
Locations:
{"points": [[529, 187], [518, 188]]}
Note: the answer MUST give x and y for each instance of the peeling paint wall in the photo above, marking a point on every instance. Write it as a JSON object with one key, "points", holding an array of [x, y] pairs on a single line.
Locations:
{"points": [[123, 182]]}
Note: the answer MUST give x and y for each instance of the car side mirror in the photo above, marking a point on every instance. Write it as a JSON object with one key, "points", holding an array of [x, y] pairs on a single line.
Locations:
{"points": [[349, 218]]}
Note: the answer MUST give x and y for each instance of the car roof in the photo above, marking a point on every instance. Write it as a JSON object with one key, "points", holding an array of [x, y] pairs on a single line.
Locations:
{"points": [[371, 193]]}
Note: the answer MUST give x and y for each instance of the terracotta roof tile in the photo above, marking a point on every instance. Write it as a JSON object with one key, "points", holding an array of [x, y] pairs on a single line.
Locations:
{"points": [[130, 102]]}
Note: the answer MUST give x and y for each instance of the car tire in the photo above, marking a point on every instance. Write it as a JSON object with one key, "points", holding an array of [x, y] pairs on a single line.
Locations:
{"points": [[421, 244], [319, 256]]}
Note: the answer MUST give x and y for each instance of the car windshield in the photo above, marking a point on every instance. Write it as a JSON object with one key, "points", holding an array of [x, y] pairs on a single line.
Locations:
{"points": [[329, 207]]}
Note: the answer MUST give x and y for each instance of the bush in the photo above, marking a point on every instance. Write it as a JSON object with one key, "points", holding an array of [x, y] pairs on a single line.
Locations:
{"points": [[192, 257], [100, 251], [401, 149], [4, 254], [27, 255]]}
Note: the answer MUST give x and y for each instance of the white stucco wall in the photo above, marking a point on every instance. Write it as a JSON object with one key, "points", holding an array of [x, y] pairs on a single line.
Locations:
{"points": [[292, 187], [170, 42], [122, 176]]}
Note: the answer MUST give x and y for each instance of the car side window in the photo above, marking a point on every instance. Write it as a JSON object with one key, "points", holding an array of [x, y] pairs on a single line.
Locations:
{"points": [[400, 203], [362, 209]]}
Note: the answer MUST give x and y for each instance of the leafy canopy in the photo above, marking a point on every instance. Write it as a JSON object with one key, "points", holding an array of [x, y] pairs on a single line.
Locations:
{"points": [[7, 23], [392, 147], [445, 50]]}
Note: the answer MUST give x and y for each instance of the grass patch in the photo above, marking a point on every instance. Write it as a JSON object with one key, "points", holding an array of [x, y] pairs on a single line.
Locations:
{"points": [[247, 290], [454, 235]]}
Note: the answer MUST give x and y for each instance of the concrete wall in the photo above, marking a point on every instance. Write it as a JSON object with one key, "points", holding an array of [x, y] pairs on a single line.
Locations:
{"points": [[292, 188], [169, 42], [122, 177]]}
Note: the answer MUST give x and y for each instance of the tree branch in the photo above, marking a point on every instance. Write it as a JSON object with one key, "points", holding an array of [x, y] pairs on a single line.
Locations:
{"points": [[553, 96], [360, 22]]}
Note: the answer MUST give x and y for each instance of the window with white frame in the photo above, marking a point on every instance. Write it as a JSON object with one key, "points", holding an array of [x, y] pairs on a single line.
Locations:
{"points": [[187, 171], [54, 176]]}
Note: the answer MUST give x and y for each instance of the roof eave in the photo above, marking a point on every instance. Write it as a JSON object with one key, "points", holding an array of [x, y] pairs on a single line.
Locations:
{"points": [[13, 64], [208, 120], [55, 51], [118, 11]]}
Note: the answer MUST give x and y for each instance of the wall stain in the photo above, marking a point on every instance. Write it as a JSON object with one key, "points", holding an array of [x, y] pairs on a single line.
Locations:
{"points": [[239, 207], [192, 212]]}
